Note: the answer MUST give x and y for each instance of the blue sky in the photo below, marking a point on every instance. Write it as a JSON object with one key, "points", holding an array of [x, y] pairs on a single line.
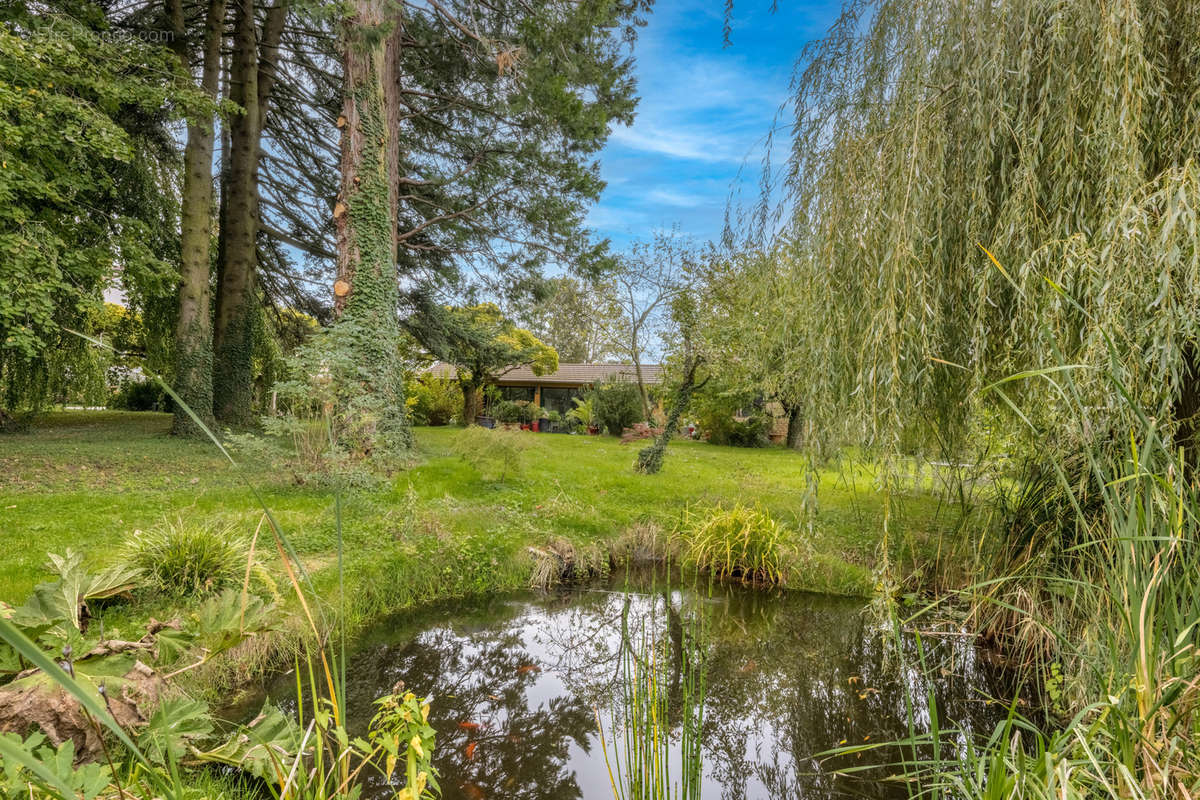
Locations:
{"points": [[704, 113]]}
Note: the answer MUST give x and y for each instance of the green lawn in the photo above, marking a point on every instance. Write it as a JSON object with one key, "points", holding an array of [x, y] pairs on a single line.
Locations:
{"points": [[86, 480]]}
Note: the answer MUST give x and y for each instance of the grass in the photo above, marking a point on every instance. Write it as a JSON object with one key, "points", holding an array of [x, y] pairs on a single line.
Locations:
{"points": [[88, 480]]}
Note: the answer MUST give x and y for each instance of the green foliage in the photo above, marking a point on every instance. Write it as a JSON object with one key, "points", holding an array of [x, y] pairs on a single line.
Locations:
{"points": [[141, 396], [716, 411], [494, 454], [86, 781], [740, 542], [910, 115], [434, 401], [652, 702], [66, 599], [576, 318], [507, 411], [189, 557], [80, 186], [584, 411], [481, 343], [400, 730], [616, 405], [1103, 626], [337, 423]]}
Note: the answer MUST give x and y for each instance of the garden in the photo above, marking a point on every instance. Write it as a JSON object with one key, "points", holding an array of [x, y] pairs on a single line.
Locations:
{"points": [[354, 444]]}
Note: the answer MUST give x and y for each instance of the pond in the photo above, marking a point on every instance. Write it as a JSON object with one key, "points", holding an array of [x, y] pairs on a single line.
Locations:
{"points": [[517, 681]]}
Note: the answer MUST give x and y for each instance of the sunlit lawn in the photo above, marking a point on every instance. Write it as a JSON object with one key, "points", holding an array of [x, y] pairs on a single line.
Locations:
{"points": [[87, 480]]}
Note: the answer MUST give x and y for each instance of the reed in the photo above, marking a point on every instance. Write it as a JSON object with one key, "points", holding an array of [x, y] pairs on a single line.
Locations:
{"points": [[662, 691]]}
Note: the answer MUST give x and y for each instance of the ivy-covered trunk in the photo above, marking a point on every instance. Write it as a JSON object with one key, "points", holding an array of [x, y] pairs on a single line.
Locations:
{"points": [[193, 327], [365, 214], [236, 308], [650, 459]]}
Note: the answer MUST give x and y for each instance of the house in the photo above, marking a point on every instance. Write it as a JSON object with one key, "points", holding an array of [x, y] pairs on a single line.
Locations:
{"points": [[555, 390]]}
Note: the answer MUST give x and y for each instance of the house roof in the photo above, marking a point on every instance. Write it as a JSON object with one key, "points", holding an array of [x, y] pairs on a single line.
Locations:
{"points": [[567, 374]]}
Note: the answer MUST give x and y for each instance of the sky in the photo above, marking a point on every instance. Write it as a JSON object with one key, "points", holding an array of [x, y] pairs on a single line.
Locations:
{"points": [[704, 114]]}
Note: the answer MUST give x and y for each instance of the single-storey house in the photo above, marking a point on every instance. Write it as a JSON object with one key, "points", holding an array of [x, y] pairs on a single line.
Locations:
{"points": [[555, 390]]}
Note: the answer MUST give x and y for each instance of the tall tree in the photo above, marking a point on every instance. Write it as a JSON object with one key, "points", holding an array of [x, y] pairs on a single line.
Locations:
{"points": [[482, 345], [572, 316], [982, 189], [644, 284], [85, 184], [251, 79], [193, 325]]}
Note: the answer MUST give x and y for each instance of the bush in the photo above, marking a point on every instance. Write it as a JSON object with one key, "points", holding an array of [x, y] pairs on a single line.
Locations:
{"points": [[187, 558], [740, 542], [617, 405], [507, 411], [141, 396], [495, 454], [716, 416], [434, 401]]}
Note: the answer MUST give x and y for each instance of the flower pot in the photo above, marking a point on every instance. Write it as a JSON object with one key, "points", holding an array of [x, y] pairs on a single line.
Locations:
{"points": [[485, 422], [593, 430], [537, 425], [524, 426]]}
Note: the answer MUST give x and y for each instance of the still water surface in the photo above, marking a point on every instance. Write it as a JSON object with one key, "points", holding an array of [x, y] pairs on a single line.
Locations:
{"points": [[517, 679]]}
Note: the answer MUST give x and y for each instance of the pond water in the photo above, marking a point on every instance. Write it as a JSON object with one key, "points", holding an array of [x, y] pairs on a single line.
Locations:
{"points": [[517, 679]]}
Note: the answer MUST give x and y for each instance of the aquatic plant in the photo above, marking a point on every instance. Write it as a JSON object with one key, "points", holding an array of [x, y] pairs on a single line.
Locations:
{"points": [[662, 688], [741, 542], [1099, 609]]}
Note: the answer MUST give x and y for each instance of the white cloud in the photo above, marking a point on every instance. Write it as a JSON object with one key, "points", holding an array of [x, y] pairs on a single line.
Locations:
{"points": [[674, 143], [667, 197]]}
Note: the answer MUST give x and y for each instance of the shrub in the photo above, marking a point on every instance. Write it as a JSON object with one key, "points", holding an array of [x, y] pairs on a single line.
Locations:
{"points": [[716, 414], [434, 401], [739, 542], [507, 411], [617, 405], [189, 558], [495, 454], [141, 396]]}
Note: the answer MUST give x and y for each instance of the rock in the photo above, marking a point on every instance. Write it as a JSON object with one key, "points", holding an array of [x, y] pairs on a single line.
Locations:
{"points": [[38, 703]]}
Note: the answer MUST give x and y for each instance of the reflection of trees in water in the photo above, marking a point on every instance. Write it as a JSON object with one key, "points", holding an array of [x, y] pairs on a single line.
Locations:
{"points": [[788, 676], [523, 740]]}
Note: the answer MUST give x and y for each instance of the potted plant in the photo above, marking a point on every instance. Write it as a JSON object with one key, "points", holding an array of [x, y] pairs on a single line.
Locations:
{"points": [[554, 422], [585, 413], [536, 416], [508, 414]]}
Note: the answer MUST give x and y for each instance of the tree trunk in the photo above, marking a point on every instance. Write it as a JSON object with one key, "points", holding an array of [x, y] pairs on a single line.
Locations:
{"points": [[193, 327], [233, 327], [471, 404], [366, 295], [793, 427], [650, 459]]}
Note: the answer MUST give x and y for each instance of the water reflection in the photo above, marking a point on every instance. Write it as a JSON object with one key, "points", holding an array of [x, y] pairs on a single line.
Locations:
{"points": [[515, 681]]}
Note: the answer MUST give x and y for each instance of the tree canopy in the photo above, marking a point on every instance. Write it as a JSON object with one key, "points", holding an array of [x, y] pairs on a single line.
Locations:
{"points": [[983, 189], [86, 171]]}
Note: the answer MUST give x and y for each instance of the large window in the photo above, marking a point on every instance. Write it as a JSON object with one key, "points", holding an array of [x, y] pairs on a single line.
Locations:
{"points": [[517, 394], [558, 399]]}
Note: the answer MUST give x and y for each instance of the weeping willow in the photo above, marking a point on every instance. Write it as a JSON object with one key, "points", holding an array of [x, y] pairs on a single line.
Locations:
{"points": [[984, 188]]}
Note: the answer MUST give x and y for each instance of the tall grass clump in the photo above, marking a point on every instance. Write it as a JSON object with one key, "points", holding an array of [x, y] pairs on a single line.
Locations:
{"points": [[189, 557], [1102, 613], [741, 542]]}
